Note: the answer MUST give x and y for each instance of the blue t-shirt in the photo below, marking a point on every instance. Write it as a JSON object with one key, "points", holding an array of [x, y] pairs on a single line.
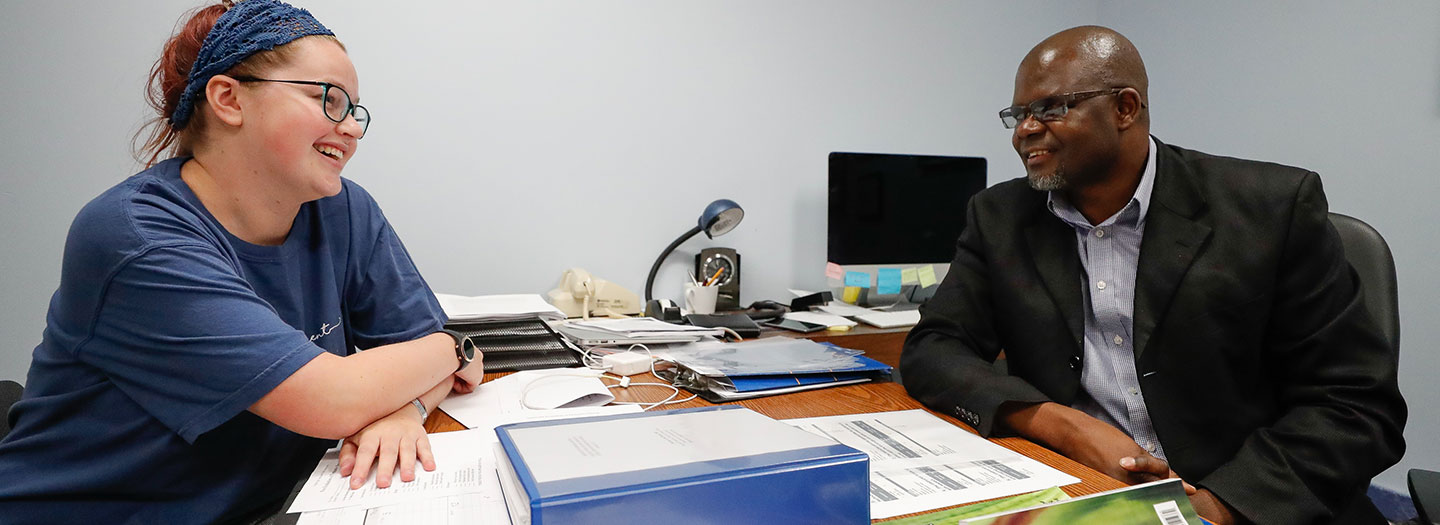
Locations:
{"points": [[166, 328]]}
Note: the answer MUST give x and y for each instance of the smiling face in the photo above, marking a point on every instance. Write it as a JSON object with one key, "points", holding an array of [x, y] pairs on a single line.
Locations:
{"points": [[298, 148], [1072, 151]]}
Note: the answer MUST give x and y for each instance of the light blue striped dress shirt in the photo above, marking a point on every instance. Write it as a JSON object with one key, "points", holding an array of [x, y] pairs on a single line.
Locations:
{"points": [[1109, 253]]}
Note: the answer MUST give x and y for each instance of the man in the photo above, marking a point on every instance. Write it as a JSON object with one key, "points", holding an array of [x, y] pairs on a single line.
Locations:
{"points": [[1162, 312]]}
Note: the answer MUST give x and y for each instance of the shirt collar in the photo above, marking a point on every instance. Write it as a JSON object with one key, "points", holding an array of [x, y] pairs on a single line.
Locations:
{"points": [[1133, 212]]}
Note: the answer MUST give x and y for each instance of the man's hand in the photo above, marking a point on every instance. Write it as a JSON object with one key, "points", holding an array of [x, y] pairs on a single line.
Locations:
{"points": [[398, 438], [1154, 468], [1208, 506]]}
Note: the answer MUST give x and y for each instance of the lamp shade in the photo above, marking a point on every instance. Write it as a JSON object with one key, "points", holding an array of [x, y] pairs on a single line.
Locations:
{"points": [[720, 217]]}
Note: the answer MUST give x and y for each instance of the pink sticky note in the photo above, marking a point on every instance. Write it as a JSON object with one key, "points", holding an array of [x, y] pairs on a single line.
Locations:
{"points": [[834, 271]]}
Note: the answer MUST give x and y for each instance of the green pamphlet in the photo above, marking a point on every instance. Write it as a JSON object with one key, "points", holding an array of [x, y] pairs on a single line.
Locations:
{"points": [[1157, 503], [953, 516]]}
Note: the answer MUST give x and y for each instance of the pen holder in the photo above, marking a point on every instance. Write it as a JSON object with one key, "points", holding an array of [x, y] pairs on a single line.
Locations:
{"points": [[700, 299]]}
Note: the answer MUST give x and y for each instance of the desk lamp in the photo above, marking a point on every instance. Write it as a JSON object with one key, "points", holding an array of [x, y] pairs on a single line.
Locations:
{"points": [[718, 219]]}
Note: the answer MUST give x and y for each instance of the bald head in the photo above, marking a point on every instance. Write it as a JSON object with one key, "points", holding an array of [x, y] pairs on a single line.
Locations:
{"points": [[1099, 55], [1084, 124]]}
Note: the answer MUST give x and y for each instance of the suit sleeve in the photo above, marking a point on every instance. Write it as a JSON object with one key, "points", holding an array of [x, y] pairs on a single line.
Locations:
{"points": [[947, 361], [1335, 374]]}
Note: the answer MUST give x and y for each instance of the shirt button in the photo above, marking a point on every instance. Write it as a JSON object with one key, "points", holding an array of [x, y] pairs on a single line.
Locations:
{"points": [[1099, 233], [1100, 285], [1134, 391], [1150, 448], [1119, 340]]}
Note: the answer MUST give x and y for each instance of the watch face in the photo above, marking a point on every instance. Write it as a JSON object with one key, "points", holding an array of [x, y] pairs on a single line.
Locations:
{"points": [[721, 263]]}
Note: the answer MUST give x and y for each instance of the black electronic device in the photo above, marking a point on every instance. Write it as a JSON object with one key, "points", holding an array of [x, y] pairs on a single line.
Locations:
{"points": [[803, 303], [898, 209], [722, 264], [663, 309], [740, 323], [803, 327]]}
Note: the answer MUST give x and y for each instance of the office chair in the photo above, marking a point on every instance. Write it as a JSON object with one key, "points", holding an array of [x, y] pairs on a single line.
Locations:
{"points": [[9, 393], [1367, 251]]}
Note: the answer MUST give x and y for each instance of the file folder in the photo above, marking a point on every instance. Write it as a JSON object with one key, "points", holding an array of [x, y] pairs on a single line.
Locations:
{"points": [[719, 465]]}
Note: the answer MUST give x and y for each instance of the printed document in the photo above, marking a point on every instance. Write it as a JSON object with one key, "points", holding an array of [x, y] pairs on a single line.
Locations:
{"points": [[920, 462], [463, 465]]}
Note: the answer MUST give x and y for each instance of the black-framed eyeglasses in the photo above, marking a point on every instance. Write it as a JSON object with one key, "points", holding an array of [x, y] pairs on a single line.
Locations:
{"points": [[335, 108], [1050, 108]]}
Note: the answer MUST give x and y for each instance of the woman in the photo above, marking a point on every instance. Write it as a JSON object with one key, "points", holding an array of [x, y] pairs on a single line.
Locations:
{"points": [[198, 354]]}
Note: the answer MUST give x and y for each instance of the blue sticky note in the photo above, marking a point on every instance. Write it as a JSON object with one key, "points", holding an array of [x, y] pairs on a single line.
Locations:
{"points": [[859, 279], [888, 281]]}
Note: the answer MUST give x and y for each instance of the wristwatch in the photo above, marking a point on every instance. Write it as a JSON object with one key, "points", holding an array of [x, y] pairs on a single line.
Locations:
{"points": [[464, 349]]}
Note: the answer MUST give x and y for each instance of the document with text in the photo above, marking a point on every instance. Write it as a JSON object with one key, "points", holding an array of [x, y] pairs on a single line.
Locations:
{"points": [[919, 462]]}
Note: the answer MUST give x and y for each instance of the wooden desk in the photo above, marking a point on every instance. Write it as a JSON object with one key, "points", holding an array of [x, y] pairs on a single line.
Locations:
{"points": [[850, 399]]}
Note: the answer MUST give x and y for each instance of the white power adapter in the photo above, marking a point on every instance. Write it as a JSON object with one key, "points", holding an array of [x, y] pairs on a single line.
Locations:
{"points": [[626, 363]]}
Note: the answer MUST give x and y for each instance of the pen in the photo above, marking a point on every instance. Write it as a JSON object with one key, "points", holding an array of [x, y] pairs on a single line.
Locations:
{"points": [[692, 278], [714, 277]]}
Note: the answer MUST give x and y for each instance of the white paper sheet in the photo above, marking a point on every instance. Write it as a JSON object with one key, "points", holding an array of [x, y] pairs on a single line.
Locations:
{"points": [[466, 509], [820, 318], [919, 462], [497, 307], [460, 467], [499, 401], [844, 309]]}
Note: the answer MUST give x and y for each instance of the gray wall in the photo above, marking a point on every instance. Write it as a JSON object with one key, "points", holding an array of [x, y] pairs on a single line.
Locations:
{"points": [[513, 140]]}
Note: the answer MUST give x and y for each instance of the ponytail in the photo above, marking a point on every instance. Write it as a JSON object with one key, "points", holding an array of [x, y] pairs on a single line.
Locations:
{"points": [[166, 84]]}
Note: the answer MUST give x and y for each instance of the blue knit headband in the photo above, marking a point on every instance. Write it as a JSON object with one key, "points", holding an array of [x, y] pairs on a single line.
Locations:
{"points": [[247, 28]]}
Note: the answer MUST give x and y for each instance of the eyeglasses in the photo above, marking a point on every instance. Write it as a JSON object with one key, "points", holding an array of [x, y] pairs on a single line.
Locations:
{"points": [[335, 108], [1049, 108]]}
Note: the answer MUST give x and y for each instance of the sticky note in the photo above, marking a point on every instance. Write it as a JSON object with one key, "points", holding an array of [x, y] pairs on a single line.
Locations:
{"points": [[834, 271], [926, 274], [852, 294], [907, 276], [858, 279], [887, 281]]}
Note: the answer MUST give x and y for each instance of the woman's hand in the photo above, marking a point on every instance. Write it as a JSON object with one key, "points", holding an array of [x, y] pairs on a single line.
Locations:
{"points": [[466, 380], [396, 439]]}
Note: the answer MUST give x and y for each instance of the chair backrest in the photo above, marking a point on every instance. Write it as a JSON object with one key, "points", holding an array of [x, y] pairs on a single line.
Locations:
{"points": [[10, 392], [1367, 252]]}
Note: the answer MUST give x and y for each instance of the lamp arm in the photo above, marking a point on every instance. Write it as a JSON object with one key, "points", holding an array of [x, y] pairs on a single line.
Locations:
{"points": [[655, 268]]}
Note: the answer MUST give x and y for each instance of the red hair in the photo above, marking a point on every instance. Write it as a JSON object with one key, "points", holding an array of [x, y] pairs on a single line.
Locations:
{"points": [[167, 82], [171, 73]]}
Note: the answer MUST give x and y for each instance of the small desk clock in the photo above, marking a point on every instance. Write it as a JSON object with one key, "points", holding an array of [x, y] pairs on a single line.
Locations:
{"points": [[727, 262]]}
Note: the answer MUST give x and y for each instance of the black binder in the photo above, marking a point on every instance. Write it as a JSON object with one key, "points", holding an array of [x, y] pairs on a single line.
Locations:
{"points": [[513, 345]]}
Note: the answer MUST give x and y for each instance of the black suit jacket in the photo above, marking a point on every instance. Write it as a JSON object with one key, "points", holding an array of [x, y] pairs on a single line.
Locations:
{"points": [[1266, 380]]}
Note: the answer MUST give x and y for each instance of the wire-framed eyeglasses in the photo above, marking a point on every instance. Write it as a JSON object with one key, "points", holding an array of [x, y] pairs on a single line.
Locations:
{"points": [[1050, 108], [336, 108]]}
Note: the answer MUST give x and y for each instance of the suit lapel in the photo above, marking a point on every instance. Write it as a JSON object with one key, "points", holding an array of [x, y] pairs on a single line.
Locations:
{"points": [[1174, 234], [1052, 243]]}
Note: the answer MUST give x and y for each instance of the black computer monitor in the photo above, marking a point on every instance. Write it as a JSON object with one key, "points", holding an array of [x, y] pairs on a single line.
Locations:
{"points": [[891, 210]]}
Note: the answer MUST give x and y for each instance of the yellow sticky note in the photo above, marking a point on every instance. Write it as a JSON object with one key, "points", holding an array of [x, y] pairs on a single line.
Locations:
{"points": [[926, 274], [852, 294], [907, 276]]}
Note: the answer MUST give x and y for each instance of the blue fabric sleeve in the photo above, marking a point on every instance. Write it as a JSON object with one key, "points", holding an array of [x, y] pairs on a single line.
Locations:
{"points": [[388, 301], [183, 334]]}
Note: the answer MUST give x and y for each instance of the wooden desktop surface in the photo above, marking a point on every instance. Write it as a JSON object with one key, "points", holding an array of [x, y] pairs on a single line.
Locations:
{"points": [[849, 399]]}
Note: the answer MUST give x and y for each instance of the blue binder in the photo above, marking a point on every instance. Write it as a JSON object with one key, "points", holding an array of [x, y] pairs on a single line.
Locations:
{"points": [[827, 483]]}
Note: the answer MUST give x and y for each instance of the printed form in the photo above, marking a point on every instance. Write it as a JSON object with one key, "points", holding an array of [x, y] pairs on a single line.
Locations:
{"points": [[919, 462]]}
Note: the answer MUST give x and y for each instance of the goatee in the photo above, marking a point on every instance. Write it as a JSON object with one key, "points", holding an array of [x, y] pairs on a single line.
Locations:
{"points": [[1053, 181]]}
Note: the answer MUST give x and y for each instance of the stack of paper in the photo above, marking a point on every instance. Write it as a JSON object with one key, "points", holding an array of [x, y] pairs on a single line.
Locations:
{"points": [[645, 327], [498, 307], [920, 462], [721, 372]]}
